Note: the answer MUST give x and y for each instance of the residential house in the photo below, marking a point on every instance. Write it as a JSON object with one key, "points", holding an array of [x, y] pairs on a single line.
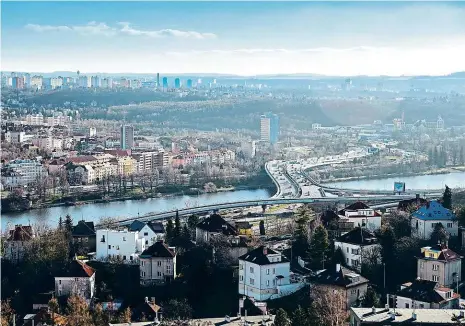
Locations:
{"points": [[157, 264], [439, 264], [265, 274], [334, 224], [79, 279], [244, 228], [43, 318], [151, 232], [148, 310], [17, 242], [404, 316], [352, 285], [212, 226], [80, 174], [84, 236], [421, 294], [361, 215], [425, 219], [357, 245], [121, 245]]}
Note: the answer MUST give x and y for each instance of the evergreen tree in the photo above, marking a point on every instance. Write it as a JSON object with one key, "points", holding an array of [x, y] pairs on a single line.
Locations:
{"points": [[68, 224], [371, 299], [439, 234], [318, 247], [60, 224], [177, 226], [262, 227], [169, 231], [192, 222], [186, 233], [300, 243], [281, 318], [447, 198]]}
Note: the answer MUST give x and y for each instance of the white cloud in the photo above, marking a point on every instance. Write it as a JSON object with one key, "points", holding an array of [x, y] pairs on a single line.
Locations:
{"points": [[127, 29], [94, 28]]}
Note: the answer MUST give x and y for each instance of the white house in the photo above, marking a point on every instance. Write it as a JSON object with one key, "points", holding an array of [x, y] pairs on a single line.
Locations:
{"points": [[265, 274], [79, 280], [119, 244], [17, 241], [424, 294], [22, 172], [428, 216], [157, 264], [357, 245], [361, 215], [151, 232]]}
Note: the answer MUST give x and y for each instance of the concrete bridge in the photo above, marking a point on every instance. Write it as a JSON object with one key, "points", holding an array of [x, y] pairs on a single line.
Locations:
{"points": [[271, 201]]}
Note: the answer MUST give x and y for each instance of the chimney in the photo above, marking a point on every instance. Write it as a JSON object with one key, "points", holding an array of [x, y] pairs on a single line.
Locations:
{"points": [[338, 268], [373, 310], [146, 299], [265, 250]]}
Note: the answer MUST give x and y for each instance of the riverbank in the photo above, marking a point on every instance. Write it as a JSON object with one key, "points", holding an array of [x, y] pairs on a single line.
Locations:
{"points": [[400, 175], [256, 182]]}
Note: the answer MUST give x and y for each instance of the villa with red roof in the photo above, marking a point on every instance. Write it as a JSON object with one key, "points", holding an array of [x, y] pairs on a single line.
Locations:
{"points": [[79, 279]]}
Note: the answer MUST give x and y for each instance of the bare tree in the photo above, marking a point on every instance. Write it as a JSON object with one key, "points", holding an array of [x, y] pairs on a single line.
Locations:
{"points": [[330, 306]]}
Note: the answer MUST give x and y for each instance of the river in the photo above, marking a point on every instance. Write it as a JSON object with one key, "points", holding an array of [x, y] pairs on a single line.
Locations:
{"points": [[128, 208], [131, 208], [435, 181]]}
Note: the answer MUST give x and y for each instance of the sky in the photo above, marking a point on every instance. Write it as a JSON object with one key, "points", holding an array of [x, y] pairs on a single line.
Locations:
{"points": [[243, 38]]}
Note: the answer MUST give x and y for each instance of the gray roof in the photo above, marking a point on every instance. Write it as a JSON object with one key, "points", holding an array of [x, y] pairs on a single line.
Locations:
{"points": [[403, 316]]}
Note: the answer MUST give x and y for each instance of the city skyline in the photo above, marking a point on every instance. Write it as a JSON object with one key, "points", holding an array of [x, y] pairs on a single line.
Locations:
{"points": [[342, 39]]}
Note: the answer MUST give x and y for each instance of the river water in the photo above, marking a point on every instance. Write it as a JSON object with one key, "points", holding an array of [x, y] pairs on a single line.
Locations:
{"points": [[128, 208], [435, 181], [131, 208]]}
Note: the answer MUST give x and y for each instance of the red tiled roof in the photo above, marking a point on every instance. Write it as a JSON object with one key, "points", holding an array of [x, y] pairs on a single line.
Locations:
{"points": [[21, 233]]}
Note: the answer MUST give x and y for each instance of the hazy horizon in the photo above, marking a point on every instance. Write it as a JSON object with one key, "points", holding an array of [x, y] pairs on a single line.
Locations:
{"points": [[241, 38]]}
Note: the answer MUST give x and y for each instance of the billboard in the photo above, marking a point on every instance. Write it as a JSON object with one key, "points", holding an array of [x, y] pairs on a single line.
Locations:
{"points": [[399, 186]]}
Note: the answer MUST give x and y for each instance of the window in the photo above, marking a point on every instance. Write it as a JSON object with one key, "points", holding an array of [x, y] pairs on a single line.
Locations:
{"points": [[435, 267], [146, 242], [449, 225], [274, 281], [168, 268], [251, 269], [241, 278], [59, 282], [142, 263], [159, 273], [353, 291], [109, 247], [146, 233], [252, 281], [267, 271], [354, 251], [103, 239], [143, 274], [117, 247], [158, 263], [124, 238], [432, 225], [347, 260], [422, 264], [435, 278], [241, 266], [354, 262], [407, 305], [124, 257], [448, 295], [422, 305], [347, 249], [131, 258], [267, 282]]}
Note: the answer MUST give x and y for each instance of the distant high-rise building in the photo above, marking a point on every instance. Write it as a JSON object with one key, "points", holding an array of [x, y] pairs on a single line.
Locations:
{"points": [[27, 80], [56, 82], [440, 123], [269, 128], [158, 79], [95, 82], [177, 83], [165, 82], [127, 137], [17, 82], [36, 82], [189, 83], [85, 81]]}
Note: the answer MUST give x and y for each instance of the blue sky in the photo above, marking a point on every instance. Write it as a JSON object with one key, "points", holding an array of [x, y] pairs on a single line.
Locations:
{"points": [[246, 38]]}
